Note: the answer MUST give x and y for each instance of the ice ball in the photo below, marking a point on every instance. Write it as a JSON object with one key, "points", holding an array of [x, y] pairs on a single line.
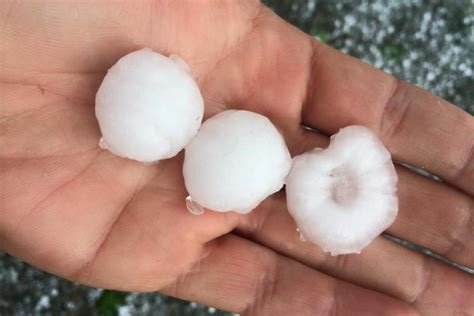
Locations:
{"points": [[237, 160], [148, 106], [344, 196]]}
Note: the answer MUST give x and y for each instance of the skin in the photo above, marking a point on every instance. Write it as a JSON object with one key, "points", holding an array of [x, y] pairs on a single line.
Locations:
{"points": [[79, 212]]}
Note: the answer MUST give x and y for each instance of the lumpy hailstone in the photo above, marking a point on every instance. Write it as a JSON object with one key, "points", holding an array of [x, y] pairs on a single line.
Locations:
{"points": [[149, 107], [237, 159], [344, 196]]}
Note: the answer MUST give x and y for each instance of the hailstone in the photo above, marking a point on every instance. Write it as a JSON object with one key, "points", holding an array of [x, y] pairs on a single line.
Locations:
{"points": [[237, 160], [344, 196], [148, 106]]}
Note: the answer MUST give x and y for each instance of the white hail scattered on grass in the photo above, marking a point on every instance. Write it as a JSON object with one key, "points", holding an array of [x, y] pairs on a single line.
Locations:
{"points": [[344, 196], [237, 160], [149, 107]]}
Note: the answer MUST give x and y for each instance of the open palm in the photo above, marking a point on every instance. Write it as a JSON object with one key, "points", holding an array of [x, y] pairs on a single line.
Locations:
{"points": [[77, 211]]}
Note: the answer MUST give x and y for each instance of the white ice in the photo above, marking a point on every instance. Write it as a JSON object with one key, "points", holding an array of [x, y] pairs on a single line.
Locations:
{"points": [[237, 160], [344, 196], [148, 106]]}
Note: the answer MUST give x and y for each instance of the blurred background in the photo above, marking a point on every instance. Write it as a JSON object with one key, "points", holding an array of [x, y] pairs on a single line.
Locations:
{"points": [[429, 43]]}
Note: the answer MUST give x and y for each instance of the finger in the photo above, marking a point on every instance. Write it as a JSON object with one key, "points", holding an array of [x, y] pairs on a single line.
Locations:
{"points": [[417, 127], [435, 216], [382, 266], [445, 290], [243, 277]]}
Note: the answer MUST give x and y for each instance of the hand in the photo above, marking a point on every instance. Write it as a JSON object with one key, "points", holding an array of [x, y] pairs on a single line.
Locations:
{"points": [[77, 211]]}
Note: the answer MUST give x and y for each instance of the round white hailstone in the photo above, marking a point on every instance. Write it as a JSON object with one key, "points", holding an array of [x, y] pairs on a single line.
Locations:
{"points": [[149, 107], [237, 160], [344, 196]]}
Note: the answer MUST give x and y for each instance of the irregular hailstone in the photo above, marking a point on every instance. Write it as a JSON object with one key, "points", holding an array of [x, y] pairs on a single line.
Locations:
{"points": [[344, 196], [149, 107], [237, 160]]}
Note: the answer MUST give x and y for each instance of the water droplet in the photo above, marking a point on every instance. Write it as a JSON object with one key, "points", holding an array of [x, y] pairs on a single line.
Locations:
{"points": [[102, 143], [193, 207], [302, 238]]}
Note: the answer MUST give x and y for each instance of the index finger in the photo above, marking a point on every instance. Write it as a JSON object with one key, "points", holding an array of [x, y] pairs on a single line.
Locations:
{"points": [[417, 127]]}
